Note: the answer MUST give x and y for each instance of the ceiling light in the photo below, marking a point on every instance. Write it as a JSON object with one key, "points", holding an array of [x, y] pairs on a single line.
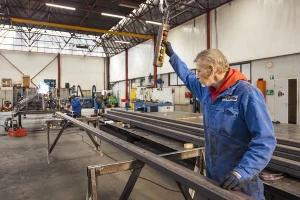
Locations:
{"points": [[128, 6], [124, 42], [58, 6], [152, 22], [111, 15]]}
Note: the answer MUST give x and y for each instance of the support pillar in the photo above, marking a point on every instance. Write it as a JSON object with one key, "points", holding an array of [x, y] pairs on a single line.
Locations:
{"points": [[208, 28], [126, 74], [155, 68], [58, 71]]}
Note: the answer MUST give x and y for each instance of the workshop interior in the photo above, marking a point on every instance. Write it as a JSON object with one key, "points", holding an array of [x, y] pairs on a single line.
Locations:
{"points": [[149, 99]]}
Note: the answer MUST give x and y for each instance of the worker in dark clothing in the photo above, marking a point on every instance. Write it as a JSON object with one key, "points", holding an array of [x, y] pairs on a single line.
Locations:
{"points": [[239, 134], [76, 106]]}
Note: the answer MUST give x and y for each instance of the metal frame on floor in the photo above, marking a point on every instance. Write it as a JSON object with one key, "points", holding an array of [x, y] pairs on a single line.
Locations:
{"points": [[94, 171], [65, 124]]}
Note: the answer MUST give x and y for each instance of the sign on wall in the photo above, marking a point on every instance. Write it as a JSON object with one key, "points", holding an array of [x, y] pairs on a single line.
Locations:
{"points": [[271, 77], [270, 92]]}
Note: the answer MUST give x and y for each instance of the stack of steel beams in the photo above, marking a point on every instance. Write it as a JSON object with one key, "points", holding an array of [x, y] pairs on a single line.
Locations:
{"points": [[286, 157], [202, 185]]}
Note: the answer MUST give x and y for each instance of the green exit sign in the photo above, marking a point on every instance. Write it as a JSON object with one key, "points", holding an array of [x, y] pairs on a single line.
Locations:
{"points": [[271, 77], [270, 92]]}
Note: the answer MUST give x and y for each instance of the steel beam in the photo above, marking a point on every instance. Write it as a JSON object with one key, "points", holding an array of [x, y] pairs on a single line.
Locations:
{"points": [[287, 156], [161, 130], [286, 163], [199, 183], [287, 149], [79, 28], [289, 142], [276, 167], [179, 127], [161, 118]]}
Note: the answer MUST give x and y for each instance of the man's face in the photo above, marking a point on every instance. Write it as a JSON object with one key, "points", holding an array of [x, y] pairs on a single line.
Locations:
{"points": [[205, 73]]}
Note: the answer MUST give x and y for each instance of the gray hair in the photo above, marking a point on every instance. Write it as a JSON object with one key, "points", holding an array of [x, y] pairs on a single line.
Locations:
{"points": [[215, 57]]}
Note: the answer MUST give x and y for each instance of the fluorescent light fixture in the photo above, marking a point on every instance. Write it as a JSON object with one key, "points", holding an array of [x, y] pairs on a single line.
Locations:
{"points": [[128, 6], [58, 6], [124, 42], [152, 22], [111, 15]]}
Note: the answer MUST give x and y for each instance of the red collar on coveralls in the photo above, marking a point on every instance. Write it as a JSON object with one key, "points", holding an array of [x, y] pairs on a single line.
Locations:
{"points": [[232, 77]]}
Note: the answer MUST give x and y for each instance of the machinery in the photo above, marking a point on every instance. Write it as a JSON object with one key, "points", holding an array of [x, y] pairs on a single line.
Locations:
{"points": [[13, 128], [7, 106], [160, 49]]}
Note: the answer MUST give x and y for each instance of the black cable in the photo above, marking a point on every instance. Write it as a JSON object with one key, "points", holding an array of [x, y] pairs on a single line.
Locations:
{"points": [[130, 170], [159, 185]]}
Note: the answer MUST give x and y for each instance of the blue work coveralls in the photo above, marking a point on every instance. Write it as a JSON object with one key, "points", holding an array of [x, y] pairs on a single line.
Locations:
{"points": [[76, 107], [98, 105], [239, 134]]}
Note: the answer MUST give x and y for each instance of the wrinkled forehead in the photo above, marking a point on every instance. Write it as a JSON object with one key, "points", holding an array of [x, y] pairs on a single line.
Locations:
{"points": [[202, 64]]}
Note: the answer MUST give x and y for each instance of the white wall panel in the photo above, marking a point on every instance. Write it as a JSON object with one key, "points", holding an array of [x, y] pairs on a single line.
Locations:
{"points": [[117, 67], [83, 71], [28, 63], [187, 41], [254, 29], [140, 62], [284, 67]]}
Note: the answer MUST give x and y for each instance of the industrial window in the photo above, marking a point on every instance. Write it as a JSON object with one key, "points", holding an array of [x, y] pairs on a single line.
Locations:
{"points": [[245, 68]]}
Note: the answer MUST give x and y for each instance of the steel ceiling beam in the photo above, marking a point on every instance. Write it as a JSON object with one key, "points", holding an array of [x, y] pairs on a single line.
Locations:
{"points": [[79, 28]]}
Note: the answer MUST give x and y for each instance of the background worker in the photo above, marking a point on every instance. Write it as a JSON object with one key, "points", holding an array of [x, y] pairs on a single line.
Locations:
{"points": [[98, 102], [76, 106], [239, 134]]}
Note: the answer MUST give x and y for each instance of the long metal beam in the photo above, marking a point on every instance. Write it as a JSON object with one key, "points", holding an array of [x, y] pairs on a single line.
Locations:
{"points": [[79, 28], [289, 142], [161, 118], [161, 130], [284, 156], [188, 129], [189, 178]]}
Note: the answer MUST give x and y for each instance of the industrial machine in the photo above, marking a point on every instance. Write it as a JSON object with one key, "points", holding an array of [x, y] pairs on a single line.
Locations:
{"points": [[12, 127]]}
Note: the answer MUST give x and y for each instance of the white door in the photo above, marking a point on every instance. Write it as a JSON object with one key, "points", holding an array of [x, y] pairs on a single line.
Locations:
{"points": [[281, 100]]}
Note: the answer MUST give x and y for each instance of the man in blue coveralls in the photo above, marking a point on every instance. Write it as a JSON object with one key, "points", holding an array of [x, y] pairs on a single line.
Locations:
{"points": [[98, 101], [239, 134], [76, 106]]}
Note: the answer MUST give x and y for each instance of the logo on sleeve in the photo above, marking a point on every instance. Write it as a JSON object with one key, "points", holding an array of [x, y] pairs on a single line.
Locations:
{"points": [[230, 98]]}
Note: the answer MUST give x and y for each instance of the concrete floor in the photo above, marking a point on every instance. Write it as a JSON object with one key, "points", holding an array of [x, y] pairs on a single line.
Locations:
{"points": [[25, 174]]}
